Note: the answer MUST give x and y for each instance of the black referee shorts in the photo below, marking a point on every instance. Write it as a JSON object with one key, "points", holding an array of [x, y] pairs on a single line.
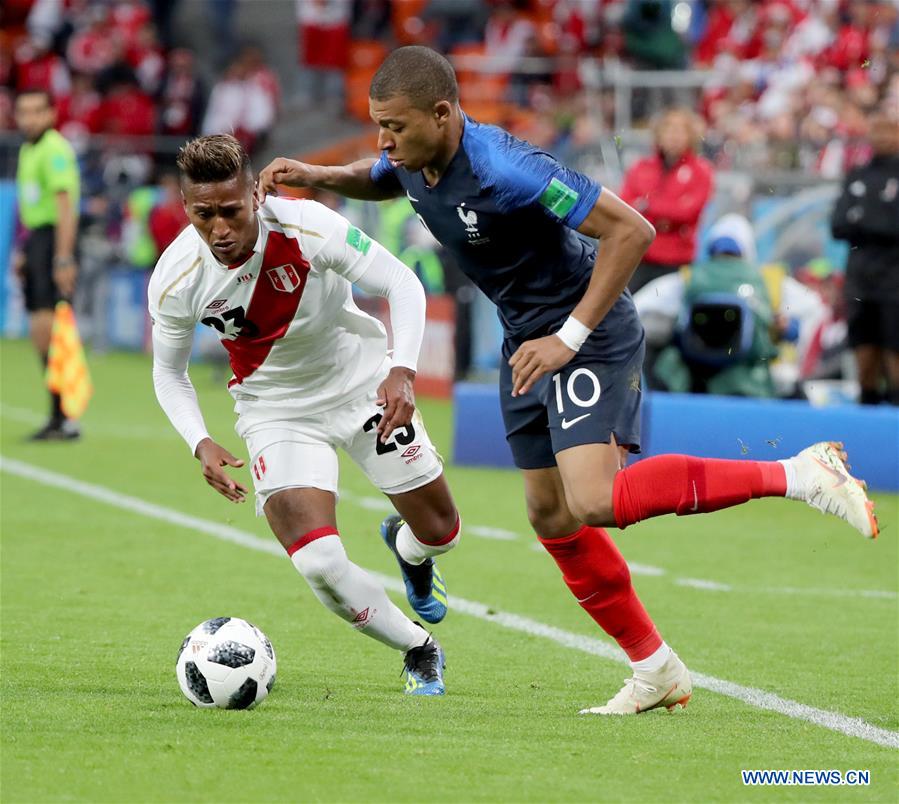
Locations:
{"points": [[40, 289], [873, 323]]}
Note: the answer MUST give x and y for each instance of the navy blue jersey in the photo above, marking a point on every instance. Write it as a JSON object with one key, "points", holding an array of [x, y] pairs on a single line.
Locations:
{"points": [[507, 211]]}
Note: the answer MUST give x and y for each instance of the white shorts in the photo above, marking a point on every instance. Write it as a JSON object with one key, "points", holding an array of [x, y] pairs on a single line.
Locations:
{"points": [[287, 452]]}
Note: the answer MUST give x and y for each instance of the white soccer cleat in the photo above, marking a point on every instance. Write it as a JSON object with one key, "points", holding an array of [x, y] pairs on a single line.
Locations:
{"points": [[670, 686], [824, 482]]}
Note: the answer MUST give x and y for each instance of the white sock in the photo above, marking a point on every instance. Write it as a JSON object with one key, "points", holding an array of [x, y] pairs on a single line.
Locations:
{"points": [[793, 491], [415, 552], [353, 595], [654, 661]]}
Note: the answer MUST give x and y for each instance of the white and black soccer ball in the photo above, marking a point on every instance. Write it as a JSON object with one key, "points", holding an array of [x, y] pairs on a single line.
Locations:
{"points": [[226, 662]]}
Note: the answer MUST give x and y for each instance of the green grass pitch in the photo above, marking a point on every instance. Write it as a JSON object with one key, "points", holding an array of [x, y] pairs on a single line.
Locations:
{"points": [[96, 600]]}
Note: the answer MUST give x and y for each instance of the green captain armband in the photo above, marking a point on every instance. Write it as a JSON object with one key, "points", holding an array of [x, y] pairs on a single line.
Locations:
{"points": [[559, 198]]}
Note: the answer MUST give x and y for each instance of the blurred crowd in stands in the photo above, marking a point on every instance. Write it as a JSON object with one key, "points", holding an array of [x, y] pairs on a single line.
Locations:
{"points": [[127, 95], [761, 86], [114, 69], [784, 84]]}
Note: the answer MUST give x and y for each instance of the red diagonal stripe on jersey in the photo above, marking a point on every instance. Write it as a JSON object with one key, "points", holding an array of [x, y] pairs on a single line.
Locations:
{"points": [[271, 310]]}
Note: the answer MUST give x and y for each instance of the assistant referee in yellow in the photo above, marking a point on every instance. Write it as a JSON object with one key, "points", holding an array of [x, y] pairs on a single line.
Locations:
{"points": [[49, 188]]}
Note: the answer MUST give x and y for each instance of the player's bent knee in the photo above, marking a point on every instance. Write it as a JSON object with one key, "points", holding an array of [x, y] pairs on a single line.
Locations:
{"points": [[551, 523], [451, 536], [322, 562], [446, 529], [595, 509]]}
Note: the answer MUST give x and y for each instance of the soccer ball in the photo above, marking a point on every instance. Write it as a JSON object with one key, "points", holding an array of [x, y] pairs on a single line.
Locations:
{"points": [[226, 662]]}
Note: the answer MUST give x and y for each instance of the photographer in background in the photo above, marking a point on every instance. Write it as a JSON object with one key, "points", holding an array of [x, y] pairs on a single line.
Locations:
{"points": [[867, 215], [727, 325]]}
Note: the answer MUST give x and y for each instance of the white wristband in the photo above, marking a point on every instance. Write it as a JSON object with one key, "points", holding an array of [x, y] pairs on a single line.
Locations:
{"points": [[574, 333]]}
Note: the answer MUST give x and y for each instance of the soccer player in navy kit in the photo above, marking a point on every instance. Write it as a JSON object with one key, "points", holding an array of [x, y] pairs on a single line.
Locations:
{"points": [[573, 347]]}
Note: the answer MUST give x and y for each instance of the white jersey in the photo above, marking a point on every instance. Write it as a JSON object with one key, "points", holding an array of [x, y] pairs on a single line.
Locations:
{"points": [[286, 315]]}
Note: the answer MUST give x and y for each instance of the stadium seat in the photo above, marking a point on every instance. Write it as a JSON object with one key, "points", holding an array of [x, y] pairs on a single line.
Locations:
{"points": [[405, 18], [366, 54], [364, 59]]}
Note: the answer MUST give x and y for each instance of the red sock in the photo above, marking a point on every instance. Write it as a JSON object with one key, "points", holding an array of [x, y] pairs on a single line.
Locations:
{"points": [[683, 485], [597, 575]]}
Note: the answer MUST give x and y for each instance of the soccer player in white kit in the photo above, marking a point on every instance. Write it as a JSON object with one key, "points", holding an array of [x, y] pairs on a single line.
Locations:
{"points": [[311, 372]]}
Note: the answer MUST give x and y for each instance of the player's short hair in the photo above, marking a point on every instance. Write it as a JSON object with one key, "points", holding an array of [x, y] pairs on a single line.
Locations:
{"points": [[418, 73], [214, 158]]}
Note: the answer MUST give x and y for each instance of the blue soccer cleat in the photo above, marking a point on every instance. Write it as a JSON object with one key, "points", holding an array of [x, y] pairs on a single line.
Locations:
{"points": [[423, 669], [425, 588]]}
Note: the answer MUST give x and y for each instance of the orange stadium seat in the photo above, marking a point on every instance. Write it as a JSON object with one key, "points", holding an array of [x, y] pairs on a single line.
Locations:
{"points": [[366, 54], [365, 57], [357, 83], [404, 14], [477, 86]]}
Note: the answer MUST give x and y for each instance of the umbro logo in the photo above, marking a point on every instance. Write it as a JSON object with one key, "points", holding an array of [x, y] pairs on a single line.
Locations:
{"points": [[412, 454]]}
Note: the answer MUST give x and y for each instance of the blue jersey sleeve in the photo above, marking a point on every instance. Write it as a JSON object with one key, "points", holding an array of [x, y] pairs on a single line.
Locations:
{"points": [[524, 176], [384, 174]]}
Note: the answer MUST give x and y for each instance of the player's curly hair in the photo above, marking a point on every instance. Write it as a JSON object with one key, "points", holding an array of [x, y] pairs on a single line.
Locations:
{"points": [[214, 158], [418, 73]]}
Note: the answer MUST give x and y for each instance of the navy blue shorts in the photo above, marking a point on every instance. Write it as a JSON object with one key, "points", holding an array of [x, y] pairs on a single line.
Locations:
{"points": [[586, 402]]}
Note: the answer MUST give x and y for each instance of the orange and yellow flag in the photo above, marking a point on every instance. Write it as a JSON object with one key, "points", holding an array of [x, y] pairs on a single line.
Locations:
{"points": [[67, 372]]}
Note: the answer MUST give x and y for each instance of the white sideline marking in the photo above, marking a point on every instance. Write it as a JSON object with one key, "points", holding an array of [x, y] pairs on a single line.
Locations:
{"points": [[834, 721], [880, 594], [699, 583], [27, 416], [500, 534], [645, 569]]}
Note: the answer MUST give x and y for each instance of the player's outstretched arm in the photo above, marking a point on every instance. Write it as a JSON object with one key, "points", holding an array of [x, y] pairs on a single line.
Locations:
{"points": [[353, 180]]}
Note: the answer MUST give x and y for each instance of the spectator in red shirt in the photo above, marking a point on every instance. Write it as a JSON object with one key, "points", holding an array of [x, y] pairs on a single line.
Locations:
{"points": [[78, 113], [182, 97], [97, 45], [126, 109], [324, 39], [36, 66], [167, 217], [144, 55], [670, 188], [851, 46]]}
